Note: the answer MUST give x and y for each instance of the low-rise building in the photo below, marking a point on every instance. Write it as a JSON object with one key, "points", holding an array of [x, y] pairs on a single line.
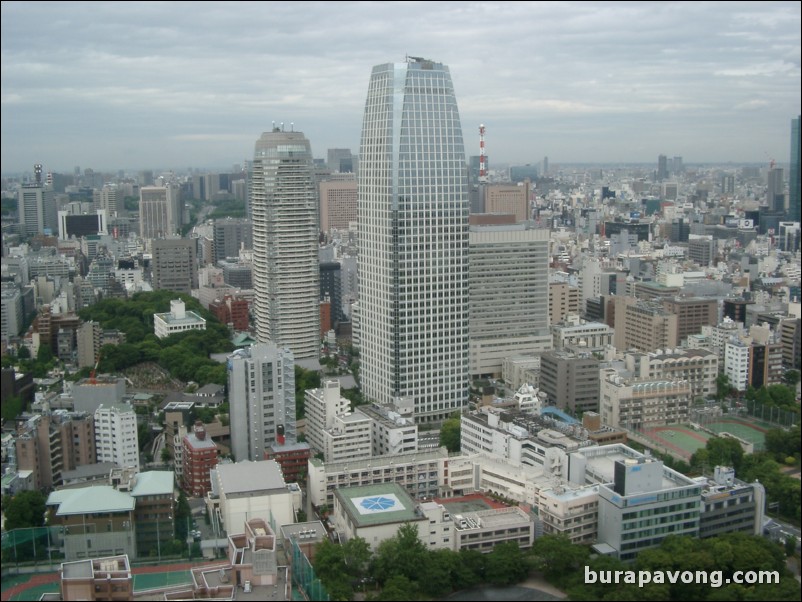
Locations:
{"points": [[730, 505], [98, 578], [178, 319], [247, 490], [96, 521], [485, 529], [633, 404], [419, 473]]}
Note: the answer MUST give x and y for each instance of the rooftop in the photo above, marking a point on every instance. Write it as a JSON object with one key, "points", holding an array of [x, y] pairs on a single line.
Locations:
{"points": [[371, 505], [90, 500], [154, 482], [601, 463], [250, 477], [190, 318]]}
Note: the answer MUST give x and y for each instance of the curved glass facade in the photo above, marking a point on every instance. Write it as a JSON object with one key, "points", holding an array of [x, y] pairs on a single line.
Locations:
{"points": [[413, 229]]}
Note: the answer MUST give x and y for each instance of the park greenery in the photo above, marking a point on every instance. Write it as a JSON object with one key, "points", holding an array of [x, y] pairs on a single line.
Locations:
{"points": [[404, 569], [782, 490], [185, 355], [228, 208]]}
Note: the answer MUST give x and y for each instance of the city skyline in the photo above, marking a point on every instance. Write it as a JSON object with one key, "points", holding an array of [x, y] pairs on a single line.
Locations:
{"points": [[147, 85]]}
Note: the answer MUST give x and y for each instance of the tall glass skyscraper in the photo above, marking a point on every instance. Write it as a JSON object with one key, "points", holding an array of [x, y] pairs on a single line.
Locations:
{"points": [[285, 241], [413, 241]]}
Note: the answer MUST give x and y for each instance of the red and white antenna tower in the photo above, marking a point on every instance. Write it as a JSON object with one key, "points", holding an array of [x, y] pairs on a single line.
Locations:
{"points": [[482, 163]]}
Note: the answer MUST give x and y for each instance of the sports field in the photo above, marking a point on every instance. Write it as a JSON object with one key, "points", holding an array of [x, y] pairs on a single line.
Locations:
{"points": [[747, 431], [678, 438]]}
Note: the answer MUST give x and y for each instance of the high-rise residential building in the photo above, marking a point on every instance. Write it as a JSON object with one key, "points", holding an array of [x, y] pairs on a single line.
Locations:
{"points": [[413, 257], [37, 207], [159, 211], [338, 201], [509, 294], [795, 173], [174, 265], [261, 393], [116, 435], [285, 243]]}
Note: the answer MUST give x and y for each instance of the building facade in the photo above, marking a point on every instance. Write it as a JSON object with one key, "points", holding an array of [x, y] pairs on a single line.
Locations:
{"points": [[285, 243], [261, 393], [116, 435], [509, 294], [413, 260], [175, 265]]}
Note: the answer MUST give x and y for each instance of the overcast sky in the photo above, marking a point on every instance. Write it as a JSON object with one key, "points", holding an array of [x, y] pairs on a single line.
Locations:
{"points": [[133, 85]]}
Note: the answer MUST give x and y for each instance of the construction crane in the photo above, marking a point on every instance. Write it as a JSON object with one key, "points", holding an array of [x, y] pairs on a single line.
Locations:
{"points": [[92, 379]]}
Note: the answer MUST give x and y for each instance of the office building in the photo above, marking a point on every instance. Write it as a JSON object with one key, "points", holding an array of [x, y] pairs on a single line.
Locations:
{"points": [[160, 211], [571, 380], [643, 325], [640, 502], [285, 244], [692, 314], [563, 301], [338, 203], [261, 393], [505, 198], [229, 236], [702, 251], [775, 190], [36, 206], [413, 258], [331, 289], [509, 294], [174, 265], [578, 334]]}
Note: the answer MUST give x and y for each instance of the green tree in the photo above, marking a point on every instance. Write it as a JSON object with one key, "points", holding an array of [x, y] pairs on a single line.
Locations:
{"points": [[11, 407], [399, 587], [506, 565], [356, 555], [723, 386], [183, 514], [791, 378], [403, 554], [450, 433], [558, 558], [25, 509]]}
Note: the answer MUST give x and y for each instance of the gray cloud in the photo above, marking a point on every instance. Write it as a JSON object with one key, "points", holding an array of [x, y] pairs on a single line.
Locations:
{"points": [[153, 84]]}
